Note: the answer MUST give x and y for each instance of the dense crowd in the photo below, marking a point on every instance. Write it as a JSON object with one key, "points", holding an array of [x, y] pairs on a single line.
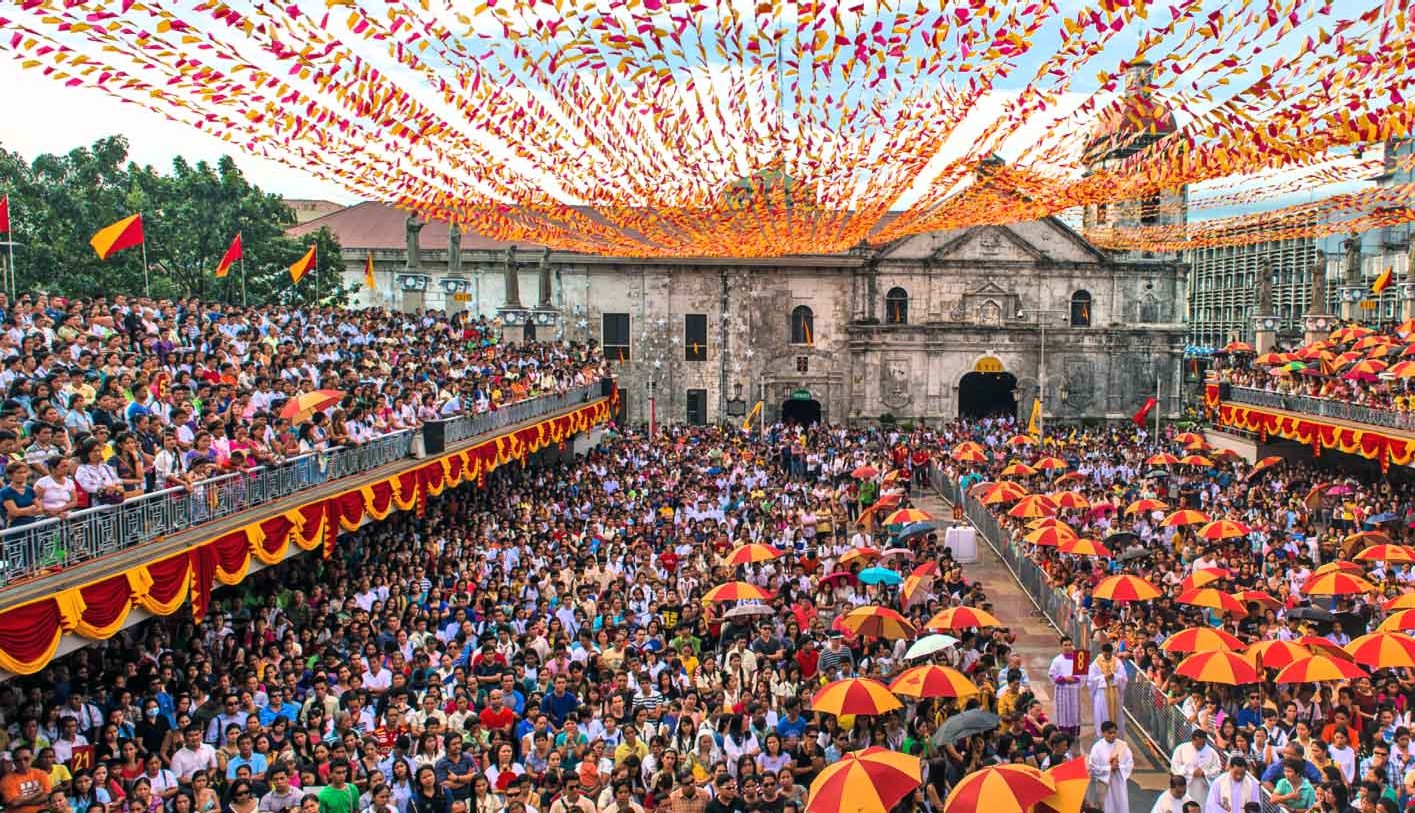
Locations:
{"points": [[104, 401]]}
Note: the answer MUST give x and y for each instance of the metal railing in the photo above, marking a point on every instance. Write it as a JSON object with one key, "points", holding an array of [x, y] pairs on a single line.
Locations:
{"points": [[1323, 407], [56, 543]]}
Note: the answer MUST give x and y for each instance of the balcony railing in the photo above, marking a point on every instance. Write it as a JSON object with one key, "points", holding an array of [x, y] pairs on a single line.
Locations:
{"points": [[57, 543], [1323, 407]]}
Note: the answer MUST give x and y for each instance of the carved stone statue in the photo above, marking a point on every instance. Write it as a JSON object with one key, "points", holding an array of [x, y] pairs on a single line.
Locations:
{"points": [[1352, 247], [1318, 305], [454, 249], [1265, 288], [1410, 260], [411, 227], [513, 280], [545, 278]]}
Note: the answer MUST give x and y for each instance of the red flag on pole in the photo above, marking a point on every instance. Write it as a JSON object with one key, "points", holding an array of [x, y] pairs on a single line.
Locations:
{"points": [[1139, 417], [4, 214], [115, 237], [233, 253]]}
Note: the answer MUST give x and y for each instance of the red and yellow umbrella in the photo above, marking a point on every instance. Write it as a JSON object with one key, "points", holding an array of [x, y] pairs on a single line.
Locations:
{"points": [[1017, 470], [1019, 441], [961, 618], [1384, 650], [1224, 529], [1205, 576], [1196, 460], [858, 553], [1049, 464], [1401, 619], [1322, 645], [905, 516], [1340, 566], [1185, 516], [1072, 779], [1368, 367], [968, 446], [1071, 477], [1402, 369], [1366, 538], [1263, 465], [1277, 654], [877, 622], [970, 456], [1387, 553], [855, 696], [1213, 599], [1050, 537], [1084, 547], [1319, 669], [1032, 505], [1221, 666], [1338, 583], [997, 493], [1188, 437], [1258, 597], [1010, 788], [301, 407], [932, 680], [1145, 506], [747, 554], [1201, 639], [1162, 459], [1125, 588], [870, 781], [1070, 500], [736, 591], [1050, 522], [864, 472]]}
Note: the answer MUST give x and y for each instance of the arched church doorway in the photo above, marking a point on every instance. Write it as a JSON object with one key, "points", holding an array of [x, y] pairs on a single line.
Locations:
{"points": [[801, 411], [987, 395]]}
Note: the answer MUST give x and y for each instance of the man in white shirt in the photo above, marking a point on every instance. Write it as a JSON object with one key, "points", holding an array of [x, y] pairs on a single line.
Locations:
{"points": [[1110, 764], [1174, 799], [193, 756], [1197, 762], [1230, 792]]}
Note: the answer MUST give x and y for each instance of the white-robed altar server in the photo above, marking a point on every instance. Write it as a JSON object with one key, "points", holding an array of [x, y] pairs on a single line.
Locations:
{"points": [[1232, 791], [1175, 799], [1198, 762], [1066, 688], [1107, 679], [1110, 764]]}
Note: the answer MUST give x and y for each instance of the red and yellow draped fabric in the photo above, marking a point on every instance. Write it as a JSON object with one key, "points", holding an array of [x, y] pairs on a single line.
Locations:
{"points": [[1383, 446], [30, 633]]}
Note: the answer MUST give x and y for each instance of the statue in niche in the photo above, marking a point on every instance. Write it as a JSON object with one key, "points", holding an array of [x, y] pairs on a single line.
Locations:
{"points": [[544, 269], [1352, 247], [1318, 305], [1265, 288], [513, 281], [411, 228]]}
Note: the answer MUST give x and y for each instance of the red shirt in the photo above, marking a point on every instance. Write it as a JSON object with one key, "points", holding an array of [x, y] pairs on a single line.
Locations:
{"points": [[494, 720], [808, 660]]}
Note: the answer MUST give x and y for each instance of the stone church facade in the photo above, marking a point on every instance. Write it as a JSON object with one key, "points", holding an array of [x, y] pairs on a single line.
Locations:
{"points": [[927, 327]]}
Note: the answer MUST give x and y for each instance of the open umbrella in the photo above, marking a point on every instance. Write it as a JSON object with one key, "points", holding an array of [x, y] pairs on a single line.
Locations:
{"points": [[1018, 441], [961, 618], [1222, 666], [996, 493], [858, 553], [1200, 639], [300, 408], [1125, 588], [736, 591], [1314, 614], [877, 622], [1338, 584], [840, 576], [1258, 597], [1084, 547], [864, 472], [904, 516], [1319, 669], [1010, 788], [1162, 459], [1049, 464], [1387, 553], [970, 456], [1204, 577], [916, 529], [1384, 650], [870, 781], [1196, 460], [1069, 500], [1339, 566], [749, 610], [1224, 529], [855, 696], [1400, 620], [1262, 466], [1365, 538], [1050, 537], [1017, 470], [747, 554], [1071, 778], [970, 722], [1213, 599], [1145, 506], [880, 575], [1277, 654], [931, 644], [1185, 516], [1032, 505], [932, 680]]}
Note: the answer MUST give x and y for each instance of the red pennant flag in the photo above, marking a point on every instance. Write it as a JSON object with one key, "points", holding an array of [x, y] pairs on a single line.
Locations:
{"points": [[115, 237], [233, 253], [1139, 417], [302, 266], [4, 214]]}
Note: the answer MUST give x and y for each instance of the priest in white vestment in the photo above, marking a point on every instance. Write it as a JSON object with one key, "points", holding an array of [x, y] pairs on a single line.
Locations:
{"points": [[1198, 762], [1236, 788], [1107, 679], [1174, 799], [1066, 689], [1110, 764]]}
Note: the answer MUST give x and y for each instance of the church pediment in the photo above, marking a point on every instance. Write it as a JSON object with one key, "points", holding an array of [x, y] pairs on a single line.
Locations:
{"points": [[985, 244], [1035, 242]]}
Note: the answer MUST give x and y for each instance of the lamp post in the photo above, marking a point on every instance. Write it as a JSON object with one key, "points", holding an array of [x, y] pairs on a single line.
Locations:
{"points": [[1041, 314], [736, 407]]}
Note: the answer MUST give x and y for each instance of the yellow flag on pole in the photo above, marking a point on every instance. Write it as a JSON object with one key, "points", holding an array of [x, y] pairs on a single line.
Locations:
{"points": [[1034, 425], [369, 281], [756, 410]]}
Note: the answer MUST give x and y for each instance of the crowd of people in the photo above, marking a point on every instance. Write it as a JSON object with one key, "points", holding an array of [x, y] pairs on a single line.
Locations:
{"points": [[105, 401]]}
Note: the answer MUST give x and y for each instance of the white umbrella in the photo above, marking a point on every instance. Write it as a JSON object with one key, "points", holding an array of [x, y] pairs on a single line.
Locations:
{"points": [[929, 645]]}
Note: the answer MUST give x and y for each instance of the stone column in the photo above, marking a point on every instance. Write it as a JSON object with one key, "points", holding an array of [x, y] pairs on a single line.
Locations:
{"points": [[1351, 296], [544, 280], [512, 276], [1264, 333]]}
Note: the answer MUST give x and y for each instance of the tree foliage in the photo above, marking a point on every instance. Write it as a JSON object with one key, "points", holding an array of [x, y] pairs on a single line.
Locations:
{"points": [[190, 215]]}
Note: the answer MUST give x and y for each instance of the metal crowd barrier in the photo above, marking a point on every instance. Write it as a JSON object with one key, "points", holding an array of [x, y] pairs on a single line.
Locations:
{"points": [[1323, 407], [57, 543]]}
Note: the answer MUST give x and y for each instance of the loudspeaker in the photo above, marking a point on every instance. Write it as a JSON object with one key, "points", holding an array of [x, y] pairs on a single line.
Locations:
{"points": [[434, 437]]}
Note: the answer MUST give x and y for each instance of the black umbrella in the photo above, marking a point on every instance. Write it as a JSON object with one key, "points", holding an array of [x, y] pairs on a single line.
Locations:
{"points": [[1313, 614], [1157, 473], [1130, 555], [1121, 538], [974, 721], [915, 529]]}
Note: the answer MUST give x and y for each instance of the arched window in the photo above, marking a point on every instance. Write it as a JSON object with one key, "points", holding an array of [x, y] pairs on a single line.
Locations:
{"points": [[896, 307], [1081, 309], [803, 325]]}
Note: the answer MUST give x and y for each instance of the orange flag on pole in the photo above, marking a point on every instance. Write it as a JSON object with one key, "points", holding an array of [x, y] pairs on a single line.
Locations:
{"points": [[115, 237], [1383, 281], [233, 253], [369, 281], [302, 266]]}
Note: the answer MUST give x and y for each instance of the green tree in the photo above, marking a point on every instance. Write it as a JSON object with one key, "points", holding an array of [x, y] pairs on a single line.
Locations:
{"points": [[189, 217]]}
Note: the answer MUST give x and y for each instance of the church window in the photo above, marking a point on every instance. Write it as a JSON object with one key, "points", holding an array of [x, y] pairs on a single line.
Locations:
{"points": [[1081, 309], [614, 336], [803, 325], [695, 337], [896, 307]]}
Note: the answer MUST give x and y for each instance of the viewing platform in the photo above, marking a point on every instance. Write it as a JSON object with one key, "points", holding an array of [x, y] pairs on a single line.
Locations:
{"points": [[95, 572]]}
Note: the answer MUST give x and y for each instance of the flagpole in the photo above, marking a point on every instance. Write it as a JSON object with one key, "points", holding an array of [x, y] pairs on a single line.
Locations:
{"points": [[10, 268], [1159, 408], [146, 282], [243, 274]]}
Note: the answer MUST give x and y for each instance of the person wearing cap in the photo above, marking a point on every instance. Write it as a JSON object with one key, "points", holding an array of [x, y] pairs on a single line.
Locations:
{"points": [[1198, 762]]}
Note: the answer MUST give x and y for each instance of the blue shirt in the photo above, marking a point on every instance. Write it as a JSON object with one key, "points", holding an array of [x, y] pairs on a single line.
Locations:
{"points": [[257, 763], [785, 727], [557, 708]]}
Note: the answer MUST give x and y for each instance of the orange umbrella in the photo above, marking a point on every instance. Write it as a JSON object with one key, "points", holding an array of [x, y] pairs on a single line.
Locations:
{"points": [[1196, 460], [969, 446], [1399, 620], [1203, 577], [1338, 584], [1259, 598], [1162, 459], [997, 493], [747, 554], [1010, 788], [1071, 477], [1269, 359], [1050, 537], [1050, 464], [1185, 516], [1277, 654], [1032, 505], [1384, 650], [1070, 500], [1200, 639], [1213, 599], [1221, 666], [905, 516], [1368, 367], [1402, 369], [864, 472], [855, 696], [1319, 669], [1017, 470], [736, 591], [1145, 506], [1050, 522], [1238, 347], [1198, 446], [1021, 440], [857, 553], [1263, 465], [970, 456], [1084, 547], [1188, 437], [301, 407], [1071, 778], [1340, 566], [913, 583], [870, 781], [932, 680], [1366, 537], [1322, 645], [877, 622], [1125, 588], [1387, 553], [961, 618], [1224, 529]]}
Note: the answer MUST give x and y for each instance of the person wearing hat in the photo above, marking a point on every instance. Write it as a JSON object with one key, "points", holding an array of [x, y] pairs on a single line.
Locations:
{"points": [[1198, 762]]}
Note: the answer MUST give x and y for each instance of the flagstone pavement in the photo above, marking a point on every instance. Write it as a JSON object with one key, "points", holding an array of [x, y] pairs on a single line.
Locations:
{"points": [[1037, 643]]}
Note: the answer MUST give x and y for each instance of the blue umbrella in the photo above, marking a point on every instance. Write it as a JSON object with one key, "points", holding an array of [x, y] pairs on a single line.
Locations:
{"points": [[880, 575], [916, 528], [1381, 518]]}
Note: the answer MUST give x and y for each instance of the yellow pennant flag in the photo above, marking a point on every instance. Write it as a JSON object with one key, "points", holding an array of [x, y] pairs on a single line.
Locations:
{"points": [[756, 410], [369, 281], [1383, 281], [302, 266], [1034, 425]]}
